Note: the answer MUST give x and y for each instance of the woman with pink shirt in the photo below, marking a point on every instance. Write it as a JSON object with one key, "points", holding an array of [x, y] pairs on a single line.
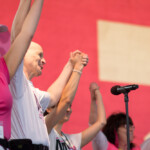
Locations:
{"points": [[115, 130], [114, 133], [12, 59]]}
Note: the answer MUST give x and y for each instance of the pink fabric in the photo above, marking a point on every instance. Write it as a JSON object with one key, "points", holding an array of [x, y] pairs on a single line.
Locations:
{"points": [[116, 139], [4, 42], [5, 99], [136, 148], [112, 147]]}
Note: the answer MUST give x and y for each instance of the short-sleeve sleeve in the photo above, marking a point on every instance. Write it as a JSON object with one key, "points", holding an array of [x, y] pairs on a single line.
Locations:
{"points": [[43, 98], [75, 139], [145, 145], [18, 83], [100, 142]]}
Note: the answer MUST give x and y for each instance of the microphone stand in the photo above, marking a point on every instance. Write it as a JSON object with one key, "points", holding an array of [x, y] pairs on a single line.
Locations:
{"points": [[116, 90], [126, 99]]}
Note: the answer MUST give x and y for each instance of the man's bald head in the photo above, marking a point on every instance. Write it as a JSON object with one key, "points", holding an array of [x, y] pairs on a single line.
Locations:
{"points": [[33, 60]]}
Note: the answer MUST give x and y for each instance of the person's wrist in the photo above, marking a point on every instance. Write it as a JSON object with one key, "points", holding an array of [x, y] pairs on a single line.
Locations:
{"points": [[70, 64], [78, 67], [96, 89], [78, 71]]}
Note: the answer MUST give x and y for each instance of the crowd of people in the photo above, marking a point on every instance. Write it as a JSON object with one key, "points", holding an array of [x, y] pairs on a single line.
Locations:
{"points": [[33, 118]]}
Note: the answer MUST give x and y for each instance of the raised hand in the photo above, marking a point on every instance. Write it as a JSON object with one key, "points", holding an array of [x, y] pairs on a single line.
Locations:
{"points": [[85, 59], [73, 57], [78, 60], [93, 87]]}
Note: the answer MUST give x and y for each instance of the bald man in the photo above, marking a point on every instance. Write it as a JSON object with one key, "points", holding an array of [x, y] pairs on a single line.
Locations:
{"points": [[29, 103]]}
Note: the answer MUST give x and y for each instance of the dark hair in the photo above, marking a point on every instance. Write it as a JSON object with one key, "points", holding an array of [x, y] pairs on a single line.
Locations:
{"points": [[45, 113], [114, 121]]}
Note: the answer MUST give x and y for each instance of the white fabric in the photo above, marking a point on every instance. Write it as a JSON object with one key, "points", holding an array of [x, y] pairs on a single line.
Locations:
{"points": [[100, 142], [27, 121], [146, 145], [74, 140], [1, 148]]}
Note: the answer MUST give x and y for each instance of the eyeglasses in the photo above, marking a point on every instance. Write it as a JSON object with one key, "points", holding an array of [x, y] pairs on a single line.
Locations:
{"points": [[130, 126]]}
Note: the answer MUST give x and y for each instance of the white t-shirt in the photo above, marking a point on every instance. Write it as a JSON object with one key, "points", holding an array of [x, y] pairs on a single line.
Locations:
{"points": [[67, 142], [27, 118], [145, 145], [100, 142]]}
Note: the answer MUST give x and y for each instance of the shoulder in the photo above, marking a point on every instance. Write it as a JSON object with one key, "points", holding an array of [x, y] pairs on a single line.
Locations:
{"points": [[75, 139]]}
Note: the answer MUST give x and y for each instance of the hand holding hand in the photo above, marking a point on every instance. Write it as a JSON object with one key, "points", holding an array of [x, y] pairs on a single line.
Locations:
{"points": [[74, 57], [78, 60]]}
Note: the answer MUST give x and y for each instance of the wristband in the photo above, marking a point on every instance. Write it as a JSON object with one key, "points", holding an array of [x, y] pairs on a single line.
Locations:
{"points": [[74, 70]]}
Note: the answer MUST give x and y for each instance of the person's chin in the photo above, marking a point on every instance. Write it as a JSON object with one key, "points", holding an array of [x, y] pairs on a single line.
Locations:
{"points": [[131, 138], [39, 73], [67, 119]]}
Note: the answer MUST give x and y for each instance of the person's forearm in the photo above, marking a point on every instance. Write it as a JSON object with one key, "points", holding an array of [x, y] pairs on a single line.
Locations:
{"points": [[97, 118], [57, 87], [71, 87], [97, 111], [65, 100], [101, 116], [19, 18], [93, 112], [21, 43], [33, 17]]}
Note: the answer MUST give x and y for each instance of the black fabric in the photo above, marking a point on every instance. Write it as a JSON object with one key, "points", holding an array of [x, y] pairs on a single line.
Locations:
{"points": [[61, 146], [4, 143], [39, 147], [20, 144]]}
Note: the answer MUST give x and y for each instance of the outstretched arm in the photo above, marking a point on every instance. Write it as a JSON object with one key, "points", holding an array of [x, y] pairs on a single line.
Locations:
{"points": [[63, 78], [68, 93], [21, 43], [23, 9], [97, 117]]}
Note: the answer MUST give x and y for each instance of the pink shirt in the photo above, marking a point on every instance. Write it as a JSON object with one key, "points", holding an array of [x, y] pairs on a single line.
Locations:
{"points": [[112, 147], [5, 99], [100, 142]]}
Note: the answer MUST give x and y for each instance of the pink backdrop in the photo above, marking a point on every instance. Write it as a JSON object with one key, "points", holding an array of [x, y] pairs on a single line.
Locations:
{"points": [[71, 24]]}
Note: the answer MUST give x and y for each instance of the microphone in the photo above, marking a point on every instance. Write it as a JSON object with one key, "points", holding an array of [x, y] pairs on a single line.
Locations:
{"points": [[116, 90]]}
